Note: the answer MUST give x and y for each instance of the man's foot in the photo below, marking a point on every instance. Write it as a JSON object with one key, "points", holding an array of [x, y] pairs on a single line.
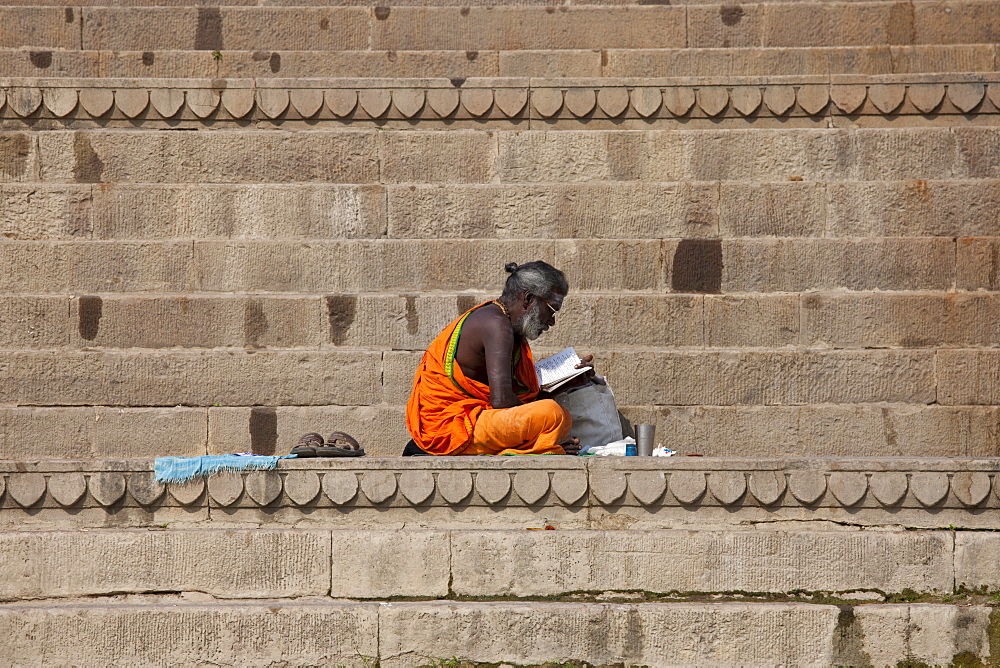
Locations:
{"points": [[571, 446]]}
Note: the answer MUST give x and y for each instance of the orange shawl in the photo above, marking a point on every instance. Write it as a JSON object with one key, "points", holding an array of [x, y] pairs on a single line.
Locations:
{"points": [[444, 405]]}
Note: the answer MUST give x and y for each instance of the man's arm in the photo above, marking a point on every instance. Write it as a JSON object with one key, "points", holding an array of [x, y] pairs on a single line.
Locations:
{"points": [[498, 346]]}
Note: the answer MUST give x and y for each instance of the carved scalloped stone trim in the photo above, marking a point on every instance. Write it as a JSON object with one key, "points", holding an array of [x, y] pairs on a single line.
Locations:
{"points": [[687, 486], [569, 486], [144, 488], [740, 98], [493, 486], [848, 487], [307, 101], [186, 493], [454, 486], [26, 489], [107, 487], [727, 487], [889, 488], [302, 486], [67, 488], [378, 486], [767, 486], [225, 488], [416, 486], [609, 487], [340, 486], [647, 486], [807, 486], [971, 488]]}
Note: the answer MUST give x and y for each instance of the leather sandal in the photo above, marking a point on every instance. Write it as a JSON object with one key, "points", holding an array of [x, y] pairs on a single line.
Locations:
{"points": [[308, 443]]}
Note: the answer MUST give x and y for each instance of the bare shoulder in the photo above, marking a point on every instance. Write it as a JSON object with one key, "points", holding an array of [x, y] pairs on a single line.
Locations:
{"points": [[490, 320]]}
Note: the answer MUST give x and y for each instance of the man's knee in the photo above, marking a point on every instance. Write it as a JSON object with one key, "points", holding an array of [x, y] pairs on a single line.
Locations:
{"points": [[556, 418]]}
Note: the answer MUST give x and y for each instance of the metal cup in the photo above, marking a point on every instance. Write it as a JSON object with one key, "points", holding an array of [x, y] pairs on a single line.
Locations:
{"points": [[644, 439]]}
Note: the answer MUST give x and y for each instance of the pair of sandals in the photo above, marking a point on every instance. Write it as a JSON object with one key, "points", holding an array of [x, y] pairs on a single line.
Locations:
{"points": [[337, 444]]}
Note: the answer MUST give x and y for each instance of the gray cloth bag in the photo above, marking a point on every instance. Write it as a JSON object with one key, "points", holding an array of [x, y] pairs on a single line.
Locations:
{"points": [[595, 414]]}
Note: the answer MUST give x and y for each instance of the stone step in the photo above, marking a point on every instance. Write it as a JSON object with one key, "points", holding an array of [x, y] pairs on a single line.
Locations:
{"points": [[409, 322], [702, 62], [466, 157], [146, 630], [596, 210], [959, 100], [515, 493], [418, 265], [815, 430], [464, 28], [361, 564], [360, 378]]}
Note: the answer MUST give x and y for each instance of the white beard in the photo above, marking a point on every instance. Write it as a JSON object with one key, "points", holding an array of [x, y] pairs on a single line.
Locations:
{"points": [[530, 324]]}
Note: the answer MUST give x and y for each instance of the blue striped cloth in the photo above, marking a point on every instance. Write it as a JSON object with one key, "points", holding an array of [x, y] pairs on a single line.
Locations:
{"points": [[183, 469]]}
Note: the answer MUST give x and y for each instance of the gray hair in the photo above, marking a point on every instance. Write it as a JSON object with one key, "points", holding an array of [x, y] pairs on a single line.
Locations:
{"points": [[539, 278]]}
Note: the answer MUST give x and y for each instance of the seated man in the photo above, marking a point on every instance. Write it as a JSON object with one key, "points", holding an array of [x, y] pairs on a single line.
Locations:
{"points": [[476, 391]]}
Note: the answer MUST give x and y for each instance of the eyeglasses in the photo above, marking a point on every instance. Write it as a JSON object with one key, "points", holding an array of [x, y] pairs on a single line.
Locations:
{"points": [[551, 310]]}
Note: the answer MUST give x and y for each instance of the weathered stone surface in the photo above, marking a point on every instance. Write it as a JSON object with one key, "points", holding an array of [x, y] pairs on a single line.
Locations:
{"points": [[938, 632], [52, 27], [209, 157], [975, 560], [235, 564], [970, 488], [772, 209], [908, 320], [204, 378], [535, 634], [33, 322], [482, 28], [195, 321], [581, 211], [738, 321], [968, 376], [144, 488], [264, 211], [187, 493], [978, 264], [531, 486], [490, 563], [308, 633], [36, 211], [278, 28], [730, 377], [569, 486], [914, 208], [443, 157], [794, 265], [366, 564], [928, 488], [767, 486], [727, 486], [849, 488], [608, 487]]}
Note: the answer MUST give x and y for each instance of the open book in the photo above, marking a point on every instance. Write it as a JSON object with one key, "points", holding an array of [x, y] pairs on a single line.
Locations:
{"points": [[558, 369]]}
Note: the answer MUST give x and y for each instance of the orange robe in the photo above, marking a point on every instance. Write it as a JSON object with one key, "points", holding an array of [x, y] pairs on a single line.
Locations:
{"points": [[445, 407]]}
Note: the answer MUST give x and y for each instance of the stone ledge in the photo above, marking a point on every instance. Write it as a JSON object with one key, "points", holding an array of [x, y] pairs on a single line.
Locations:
{"points": [[599, 102], [616, 493]]}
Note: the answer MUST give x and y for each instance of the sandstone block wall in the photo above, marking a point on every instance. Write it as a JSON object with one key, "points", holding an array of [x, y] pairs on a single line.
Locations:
{"points": [[778, 220]]}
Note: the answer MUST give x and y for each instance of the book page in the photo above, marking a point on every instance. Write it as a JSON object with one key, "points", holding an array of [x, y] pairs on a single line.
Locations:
{"points": [[557, 367]]}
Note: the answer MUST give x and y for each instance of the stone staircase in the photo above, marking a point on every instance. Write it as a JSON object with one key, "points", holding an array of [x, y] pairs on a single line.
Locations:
{"points": [[223, 225]]}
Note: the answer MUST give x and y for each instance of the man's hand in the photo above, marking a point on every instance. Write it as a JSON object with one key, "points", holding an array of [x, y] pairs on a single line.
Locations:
{"points": [[571, 446]]}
